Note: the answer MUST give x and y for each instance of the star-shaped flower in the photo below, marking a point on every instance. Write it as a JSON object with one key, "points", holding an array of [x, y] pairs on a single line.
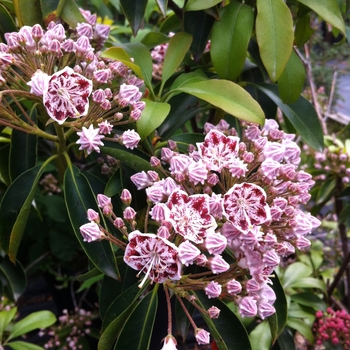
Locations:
{"points": [[90, 139]]}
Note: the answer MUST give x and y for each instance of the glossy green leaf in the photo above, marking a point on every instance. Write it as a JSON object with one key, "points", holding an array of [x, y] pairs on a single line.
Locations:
{"points": [[309, 299], [229, 39], [142, 58], [179, 44], [114, 184], [49, 10], [90, 282], [326, 190], [260, 336], [71, 14], [152, 39], [15, 277], [79, 198], [301, 114], [171, 23], [303, 31], [90, 274], [228, 96], [227, 330], [141, 319], [6, 316], [22, 345], [188, 78], [296, 310], [308, 282], [162, 4], [134, 12], [301, 327], [152, 116], [7, 24], [328, 10], [23, 152], [198, 24], [292, 80], [28, 12], [294, 272], [38, 319], [196, 5], [15, 208], [275, 35]]}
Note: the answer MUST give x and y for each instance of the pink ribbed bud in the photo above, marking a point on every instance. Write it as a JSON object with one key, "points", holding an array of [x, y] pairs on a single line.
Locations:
{"points": [[212, 179], [247, 307], [252, 286], [125, 196], [265, 309], [155, 162], [102, 31], [91, 232], [130, 139], [197, 172], [202, 336], [167, 154], [218, 265], [107, 211], [37, 32], [302, 243], [105, 127], [215, 243], [213, 312], [163, 232], [213, 290], [233, 287], [102, 76], [129, 214], [141, 180], [118, 222], [188, 253], [158, 212], [135, 114], [270, 168], [85, 29], [82, 46], [92, 215], [104, 201], [98, 96], [169, 343], [68, 46], [201, 260], [270, 258]]}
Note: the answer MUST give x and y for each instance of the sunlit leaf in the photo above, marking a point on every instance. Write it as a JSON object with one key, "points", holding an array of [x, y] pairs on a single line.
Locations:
{"points": [[196, 5], [294, 272], [22, 345], [260, 336], [229, 39], [152, 39], [6, 317], [301, 327], [71, 14], [309, 299], [275, 35], [28, 12]]}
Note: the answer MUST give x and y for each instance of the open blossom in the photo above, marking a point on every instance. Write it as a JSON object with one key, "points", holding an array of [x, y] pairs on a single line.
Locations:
{"points": [[190, 216], [67, 95], [90, 139], [153, 255], [38, 83]]}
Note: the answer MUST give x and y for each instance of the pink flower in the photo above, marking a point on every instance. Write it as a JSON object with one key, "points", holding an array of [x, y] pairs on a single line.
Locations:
{"points": [[217, 150], [67, 95], [247, 307], [245, 205], [233, 287], [38, 82], [188, 253], [215, 243], [218, 264], [214, 312], [92, 215], [128, 95], [104, 201], [90, 139], [190, 216], [105, 127], [202, 336], [213, 290], [130, 139], [91, 232], [169, 343], [125, 196], [153, 255]]}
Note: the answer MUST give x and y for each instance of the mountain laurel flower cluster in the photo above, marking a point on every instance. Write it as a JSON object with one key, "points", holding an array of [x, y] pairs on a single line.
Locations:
{"points": [[78, 90], [219, 218]]}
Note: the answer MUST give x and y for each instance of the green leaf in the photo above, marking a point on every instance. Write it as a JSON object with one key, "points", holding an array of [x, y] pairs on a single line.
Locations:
{"points": [[188, 78], [309, 299], [38, 319], [260, 336], [90, 274], [303, 31], [15, 277], [79, 198], [292, 80], [274, 33], [152, 116], [7, 24], [328, 10], [142, 58], [90, 282], [196, 5], [229, 39], [5, 318], [308, 282], [22, 345], [141, 319], [162, 4], [179, 44], [71, 14], [134, 12], [326, 190], [15, 208], [301, 114], [152, 39], [295, 272], [301, 327], [227, 330], [28, 12], [228, 96]]}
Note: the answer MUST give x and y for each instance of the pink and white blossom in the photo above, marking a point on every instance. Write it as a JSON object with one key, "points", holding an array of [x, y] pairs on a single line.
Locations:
{"points": [[130, 139], [90, 139], [91, 232], [213, 289], [202, 336], [38, 83], [188, 253]]}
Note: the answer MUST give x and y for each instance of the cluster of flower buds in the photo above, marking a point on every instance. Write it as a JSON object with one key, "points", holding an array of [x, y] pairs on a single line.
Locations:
{"points": [[71, 329], [63, 69], [332, 327], [230, 207], [333, 161]]}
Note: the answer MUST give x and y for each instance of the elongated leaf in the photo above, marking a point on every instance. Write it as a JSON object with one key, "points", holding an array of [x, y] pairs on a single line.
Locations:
{"points": [[152, 116], [15, 208], [142, 318], [28, 12], [15, 277], [326, 190], [90, 274], [6, 317], [79, 198], [309, 299], [309, 282], [22, 345], [229, 39], [295, 272], [292, 80], [162, 4], [38, 319], [301, 114], [228, 96], [71, 14], [134, 12], [188, 78], [260, 336], [227, 330], [274, 33], [152, 39], [196, 5], [7, 24], [303, 31], [301, 327], [179, 44], [328, 10]]}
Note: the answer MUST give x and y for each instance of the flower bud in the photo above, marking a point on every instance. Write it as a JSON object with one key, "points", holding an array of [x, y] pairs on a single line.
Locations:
{"points": [[213, 290], [202, 336], [126, 196], [91, 232]]}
